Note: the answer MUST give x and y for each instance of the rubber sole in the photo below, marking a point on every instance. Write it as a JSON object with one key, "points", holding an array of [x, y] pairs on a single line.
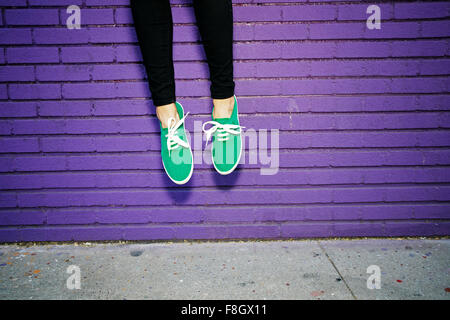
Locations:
{"points": [[185, 180], [224, 173]]}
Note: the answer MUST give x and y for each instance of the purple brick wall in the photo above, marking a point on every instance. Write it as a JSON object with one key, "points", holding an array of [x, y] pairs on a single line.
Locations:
{"points": [[363, 117]]}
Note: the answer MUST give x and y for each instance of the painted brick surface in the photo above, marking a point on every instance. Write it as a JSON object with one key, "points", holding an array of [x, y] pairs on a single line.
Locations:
{"points": [[363, 119]]}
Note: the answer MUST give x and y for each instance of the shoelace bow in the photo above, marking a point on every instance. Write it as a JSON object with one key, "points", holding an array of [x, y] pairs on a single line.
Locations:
{"points": [[173, 140], [224, 130]]}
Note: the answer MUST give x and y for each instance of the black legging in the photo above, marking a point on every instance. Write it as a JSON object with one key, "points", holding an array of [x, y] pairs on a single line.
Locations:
{"points": [[154, 28]]}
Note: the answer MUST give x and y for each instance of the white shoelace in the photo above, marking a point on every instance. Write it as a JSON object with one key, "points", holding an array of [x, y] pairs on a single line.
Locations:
{"points": [[224, 130], [174, 141]]}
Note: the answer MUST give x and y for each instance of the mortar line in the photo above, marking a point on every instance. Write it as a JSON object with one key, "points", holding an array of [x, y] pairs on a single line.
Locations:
{"points": [[337, 270]]}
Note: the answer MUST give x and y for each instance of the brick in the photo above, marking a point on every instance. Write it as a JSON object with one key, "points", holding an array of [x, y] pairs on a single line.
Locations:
{"points": [[258, 13], [15, 36], [148, 215], [87, 54], [306, 230], [8, 200], [54, 2], [113, 162], [106, 90], [350, 49], [38, 126], [418, 48], [336, 30], [306, 13], [124, 16], [421, 10], [112, 34], [435, 28], [18, 109], [406, 229], [73, 217], [252, 231], [189, 33], [10, 235], [75, 126], [15, 218], [32, 55], [17, 145], [254, 51], [34, 91], [96, 233], [17, 73], [84, 144], [353, 229], [65, 108], [200, 232], [106, 2], [148, 232], [91, 90], [434, 67], [63, 73], [387, 212], [123, 107], [5, 127], [128, 53], [14, 3], [442, 228], [31, 16], [39, 163], [3, 91], [61, 35], [118, 72], [279, 32]]}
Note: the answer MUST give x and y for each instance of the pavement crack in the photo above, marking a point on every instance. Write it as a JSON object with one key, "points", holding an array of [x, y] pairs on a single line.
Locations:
{"points": [[337, 270]]}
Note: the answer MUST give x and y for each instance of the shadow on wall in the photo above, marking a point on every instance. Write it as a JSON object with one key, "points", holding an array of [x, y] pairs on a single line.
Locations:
{"points": [[226, 182], [181, 194]]}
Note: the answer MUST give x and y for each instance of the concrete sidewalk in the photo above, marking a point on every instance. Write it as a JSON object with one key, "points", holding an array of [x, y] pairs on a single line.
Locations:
{"points": [[322, 269]]}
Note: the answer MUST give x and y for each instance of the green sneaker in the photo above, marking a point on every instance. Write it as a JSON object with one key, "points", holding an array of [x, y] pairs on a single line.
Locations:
{"points": [[227, 141], [176, 151]]}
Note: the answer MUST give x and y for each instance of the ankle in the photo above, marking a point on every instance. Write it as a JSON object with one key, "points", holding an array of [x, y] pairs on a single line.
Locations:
{"points": [[223, 108], [165, 112]]}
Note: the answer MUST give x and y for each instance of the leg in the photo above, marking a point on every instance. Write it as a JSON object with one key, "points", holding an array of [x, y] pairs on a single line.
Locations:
{"points": [[215, 23], [154, 29]]}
